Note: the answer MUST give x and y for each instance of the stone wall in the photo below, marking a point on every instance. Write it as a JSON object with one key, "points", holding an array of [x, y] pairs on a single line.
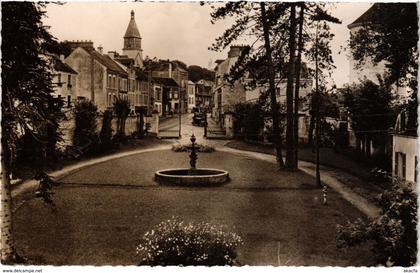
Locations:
{"points": [[67, 126]]}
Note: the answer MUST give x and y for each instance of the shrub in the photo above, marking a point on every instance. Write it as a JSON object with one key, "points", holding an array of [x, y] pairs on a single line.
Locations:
{"points": [[199, 148], [85, 125], [106, 131], [174, 242], [122, 110], [394, 233]]}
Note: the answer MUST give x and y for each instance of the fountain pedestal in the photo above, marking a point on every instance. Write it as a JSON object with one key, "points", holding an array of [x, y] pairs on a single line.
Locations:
{"points": [[192, 176]]}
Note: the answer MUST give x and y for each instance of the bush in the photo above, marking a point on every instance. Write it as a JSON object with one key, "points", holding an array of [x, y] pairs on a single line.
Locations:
{"points": [[394, 233], [106, 131], [174, 242], [199, 148], [85, 125]]}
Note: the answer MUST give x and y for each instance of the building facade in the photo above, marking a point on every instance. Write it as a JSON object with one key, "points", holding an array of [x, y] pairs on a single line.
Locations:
{"points": [[225, 95], [191, 96], [64, 81]]}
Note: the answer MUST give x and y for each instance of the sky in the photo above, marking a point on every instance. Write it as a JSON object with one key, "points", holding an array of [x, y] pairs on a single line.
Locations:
{"points": [[177, 30]]}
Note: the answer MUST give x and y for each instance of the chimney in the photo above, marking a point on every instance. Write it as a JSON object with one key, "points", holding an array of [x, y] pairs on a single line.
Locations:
{"points": [[170, 70], [111, 54], [100, 48], [62, 58], [235, 51]]}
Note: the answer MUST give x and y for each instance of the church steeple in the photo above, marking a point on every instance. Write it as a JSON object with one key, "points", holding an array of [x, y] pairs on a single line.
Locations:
{"points": [[132, 41]]}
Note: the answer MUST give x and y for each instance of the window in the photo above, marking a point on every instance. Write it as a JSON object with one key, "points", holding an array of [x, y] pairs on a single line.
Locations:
{"points": [[403, 165], [415, 169], [69, 81], [176, 95], [68, 101], [59, 78], [396, 164]]}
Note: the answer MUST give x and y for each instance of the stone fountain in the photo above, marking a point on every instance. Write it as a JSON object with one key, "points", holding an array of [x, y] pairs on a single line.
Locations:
{"points": [[192, 176]]}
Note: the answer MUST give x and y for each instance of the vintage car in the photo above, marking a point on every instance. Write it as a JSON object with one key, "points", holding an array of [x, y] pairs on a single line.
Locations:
{"points": [[199, 119]]}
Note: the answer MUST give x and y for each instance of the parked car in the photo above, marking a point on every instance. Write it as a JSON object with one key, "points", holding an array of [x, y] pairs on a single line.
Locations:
{"points": [[199, 119]]}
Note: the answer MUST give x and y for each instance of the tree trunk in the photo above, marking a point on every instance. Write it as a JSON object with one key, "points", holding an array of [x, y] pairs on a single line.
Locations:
{"points": [[290, 161], [7, 243], [317, 120], [273, 100], [311, 127], [297, 84]]}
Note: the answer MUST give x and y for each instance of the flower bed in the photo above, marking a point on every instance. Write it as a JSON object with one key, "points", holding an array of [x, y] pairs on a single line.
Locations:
{"points": [[174, 242]]}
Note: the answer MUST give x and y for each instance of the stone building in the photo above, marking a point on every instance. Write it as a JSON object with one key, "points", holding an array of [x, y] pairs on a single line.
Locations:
{"points": [[100, 79], [191, 96], [226, 96], [172, 70], [64, 81]]}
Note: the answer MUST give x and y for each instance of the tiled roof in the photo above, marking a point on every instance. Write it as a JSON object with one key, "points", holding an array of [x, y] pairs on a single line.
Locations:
{"points": [[62, 67], [132, 30], [365, 17], [106, 61]]}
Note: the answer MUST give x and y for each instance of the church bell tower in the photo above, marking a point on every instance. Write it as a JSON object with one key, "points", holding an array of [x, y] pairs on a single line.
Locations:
{"points": [[132, 42]]}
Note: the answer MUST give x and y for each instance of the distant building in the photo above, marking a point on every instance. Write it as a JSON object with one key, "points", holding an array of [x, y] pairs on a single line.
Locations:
{"points": [[172, 70], [191, 96], [100, 79], [132, 43], [64, 81], [281, 86], [203, 95], [225, 95], [170, 95], [404, 146]]}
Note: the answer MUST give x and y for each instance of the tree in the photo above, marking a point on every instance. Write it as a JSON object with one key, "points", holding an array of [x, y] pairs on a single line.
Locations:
{"points": [[370, 110], [394, 233], [389, 34], [28, 106], [122, 110], [256, 20], [196, 73], [84, 135]]}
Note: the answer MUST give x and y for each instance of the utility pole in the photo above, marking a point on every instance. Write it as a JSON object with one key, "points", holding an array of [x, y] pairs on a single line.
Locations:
{"points": [[318, 175]]}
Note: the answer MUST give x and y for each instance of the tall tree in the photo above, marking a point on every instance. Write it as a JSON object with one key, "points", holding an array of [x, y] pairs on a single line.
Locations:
{"points": [[389, 34], [256, 61], [300, 46], [290, 160], [28, 106]]}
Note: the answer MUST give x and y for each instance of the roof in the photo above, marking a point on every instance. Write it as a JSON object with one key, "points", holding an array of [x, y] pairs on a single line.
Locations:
{"points": [[132, 30], [365, 17], [166, 81], [62, 67], [203, 90], [106, 61]]}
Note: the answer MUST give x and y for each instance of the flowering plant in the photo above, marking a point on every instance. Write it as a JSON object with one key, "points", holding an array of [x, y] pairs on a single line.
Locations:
{"points": [[174, 242]]}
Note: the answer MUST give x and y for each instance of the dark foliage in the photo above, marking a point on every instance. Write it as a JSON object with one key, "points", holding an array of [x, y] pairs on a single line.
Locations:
{"points": [[249, 119], [196, 73], [370, 109], [85, 135], [394, 233], [105, 136], [30, 113], [121, 110], [390, 34]]}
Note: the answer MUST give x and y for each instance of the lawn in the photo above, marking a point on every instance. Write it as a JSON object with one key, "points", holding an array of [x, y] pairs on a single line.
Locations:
{"points": [[103, 210]]}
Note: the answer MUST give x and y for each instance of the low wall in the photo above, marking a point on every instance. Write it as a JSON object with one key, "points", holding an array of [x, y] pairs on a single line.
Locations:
{"points": [[67, 126]]}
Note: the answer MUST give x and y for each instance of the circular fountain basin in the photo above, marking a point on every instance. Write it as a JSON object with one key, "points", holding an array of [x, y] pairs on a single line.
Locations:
{"points": [[192, 177]]}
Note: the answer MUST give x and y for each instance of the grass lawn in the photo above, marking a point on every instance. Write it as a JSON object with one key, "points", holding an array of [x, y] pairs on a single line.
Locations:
{"points": [[103, 211]]}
